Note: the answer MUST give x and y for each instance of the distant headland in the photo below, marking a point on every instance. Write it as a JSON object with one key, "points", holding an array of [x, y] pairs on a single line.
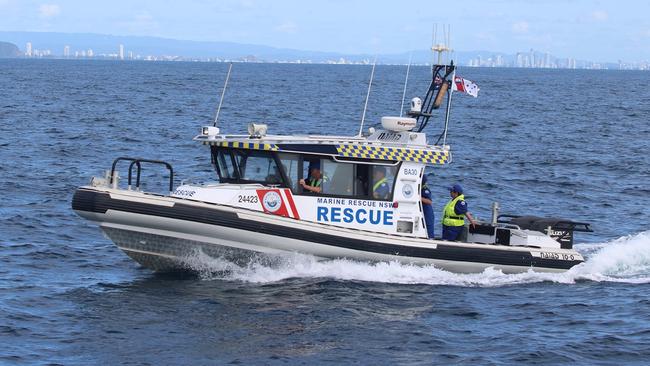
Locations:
{"points": [[9, 50]]}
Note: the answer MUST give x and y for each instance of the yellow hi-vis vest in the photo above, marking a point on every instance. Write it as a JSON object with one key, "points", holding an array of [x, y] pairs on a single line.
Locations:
{"points": [[314, 182], [379, 183], [449, 216]]}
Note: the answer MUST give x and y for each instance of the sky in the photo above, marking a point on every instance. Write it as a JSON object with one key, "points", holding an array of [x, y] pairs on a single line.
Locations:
{"points": [[590, 30]]}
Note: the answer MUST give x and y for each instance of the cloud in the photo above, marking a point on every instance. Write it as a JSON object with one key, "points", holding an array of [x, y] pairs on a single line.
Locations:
{"points": [[599, 15], [287, 27], [49, 10], [520, 27]]}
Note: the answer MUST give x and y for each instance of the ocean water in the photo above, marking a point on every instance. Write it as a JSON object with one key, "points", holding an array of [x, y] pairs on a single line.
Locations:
{"points": [[567, 143]]}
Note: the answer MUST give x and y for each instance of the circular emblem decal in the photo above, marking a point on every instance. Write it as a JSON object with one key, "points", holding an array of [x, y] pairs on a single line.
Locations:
{"points": [[407, 190], [272, 201]]}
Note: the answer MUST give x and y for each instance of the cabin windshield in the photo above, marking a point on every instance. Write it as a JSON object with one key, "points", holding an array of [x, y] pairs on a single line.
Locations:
{"points": [[246, 166], [257, 166]]}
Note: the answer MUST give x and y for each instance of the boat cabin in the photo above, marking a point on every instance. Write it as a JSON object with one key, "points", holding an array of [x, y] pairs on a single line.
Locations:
{"points": [[370, 182]]}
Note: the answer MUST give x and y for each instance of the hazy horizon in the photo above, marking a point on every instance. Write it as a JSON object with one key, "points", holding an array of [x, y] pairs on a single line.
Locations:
{"points": [[581, 29]]}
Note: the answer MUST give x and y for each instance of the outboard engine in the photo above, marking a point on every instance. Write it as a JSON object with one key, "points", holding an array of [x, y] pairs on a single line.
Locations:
{"points": [[561, 230]]}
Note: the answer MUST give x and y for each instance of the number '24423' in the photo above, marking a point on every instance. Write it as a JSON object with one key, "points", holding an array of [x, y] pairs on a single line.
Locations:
{"points": [[247, 199]]}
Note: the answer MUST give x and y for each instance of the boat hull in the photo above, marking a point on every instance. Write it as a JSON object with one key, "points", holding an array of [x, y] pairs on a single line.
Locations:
{"points": [[167, 233]]}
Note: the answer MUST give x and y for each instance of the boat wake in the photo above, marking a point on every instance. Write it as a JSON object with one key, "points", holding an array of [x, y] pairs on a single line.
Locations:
{"points": [[626, 259]]}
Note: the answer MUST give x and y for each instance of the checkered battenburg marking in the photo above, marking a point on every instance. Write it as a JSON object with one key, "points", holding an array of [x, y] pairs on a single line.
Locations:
{"points": [[360, 151], [247, 145], [393, 153]]}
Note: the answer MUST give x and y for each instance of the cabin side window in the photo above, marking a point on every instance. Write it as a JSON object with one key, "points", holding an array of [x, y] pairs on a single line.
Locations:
{"points": [[333, 178], [383, 180], [348, 179]]}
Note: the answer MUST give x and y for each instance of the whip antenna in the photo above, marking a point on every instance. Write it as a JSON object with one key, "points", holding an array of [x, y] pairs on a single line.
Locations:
{"points": [[223, 92], [372, 75], [401, 109]]}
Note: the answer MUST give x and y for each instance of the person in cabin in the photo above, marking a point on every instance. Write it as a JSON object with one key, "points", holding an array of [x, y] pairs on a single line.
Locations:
{"points": [[380, 189], [454, 213], [427, 207], [314, 183]]}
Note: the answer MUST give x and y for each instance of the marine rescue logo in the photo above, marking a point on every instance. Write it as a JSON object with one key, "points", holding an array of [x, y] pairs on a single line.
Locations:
{"points": [[272, 201], [407, 190], [278, 202]]}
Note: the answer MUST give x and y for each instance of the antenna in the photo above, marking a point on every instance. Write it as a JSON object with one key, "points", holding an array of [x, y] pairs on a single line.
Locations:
{"points": [[223, 92], [451, 91], [441, 48], [434, 28], [372, 75], [408, 68]]}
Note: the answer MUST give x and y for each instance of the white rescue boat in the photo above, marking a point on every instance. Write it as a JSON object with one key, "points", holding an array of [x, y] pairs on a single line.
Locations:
{"points": [[258, 208]]}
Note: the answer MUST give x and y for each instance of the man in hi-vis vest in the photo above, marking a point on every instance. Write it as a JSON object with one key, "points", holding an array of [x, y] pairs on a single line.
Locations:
{"points": [[453, 216], [314, 183]]}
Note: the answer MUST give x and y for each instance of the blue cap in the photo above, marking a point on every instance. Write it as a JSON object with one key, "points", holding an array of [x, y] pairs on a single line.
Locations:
{"points": [[314, 165], [456, 188]]}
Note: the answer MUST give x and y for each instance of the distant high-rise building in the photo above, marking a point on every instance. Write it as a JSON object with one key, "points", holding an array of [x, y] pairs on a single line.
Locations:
{"points": [[90, 52], [499, 61], [66, 51], [572, 63], [547, 60], [28, 49], [532, 58], [121, 54]]}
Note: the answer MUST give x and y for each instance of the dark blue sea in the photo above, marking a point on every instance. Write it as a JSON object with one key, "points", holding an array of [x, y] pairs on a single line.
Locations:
{"points": [[567, 143]]}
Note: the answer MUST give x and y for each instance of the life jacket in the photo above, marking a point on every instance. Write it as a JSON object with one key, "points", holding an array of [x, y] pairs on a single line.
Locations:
{"points": [[317, 182], [379, 183], [449, 216], [314, 182], [424, 187]]}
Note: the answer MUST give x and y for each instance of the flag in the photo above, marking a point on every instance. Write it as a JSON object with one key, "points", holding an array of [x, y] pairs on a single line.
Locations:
{"points": [[465, 86]]}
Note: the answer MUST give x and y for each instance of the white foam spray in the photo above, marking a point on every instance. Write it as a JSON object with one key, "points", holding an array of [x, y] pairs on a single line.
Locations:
{"points": [[626, 259]]}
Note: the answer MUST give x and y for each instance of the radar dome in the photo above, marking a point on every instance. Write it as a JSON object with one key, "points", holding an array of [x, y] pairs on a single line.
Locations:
{"points": [[398, 123]]}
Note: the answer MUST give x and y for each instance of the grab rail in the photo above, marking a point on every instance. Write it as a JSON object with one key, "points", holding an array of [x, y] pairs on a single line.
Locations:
{"points": [[136, 162]]}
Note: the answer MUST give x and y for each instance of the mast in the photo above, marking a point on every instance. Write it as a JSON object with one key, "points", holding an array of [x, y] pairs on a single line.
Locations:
{"points": [[441, 86]]}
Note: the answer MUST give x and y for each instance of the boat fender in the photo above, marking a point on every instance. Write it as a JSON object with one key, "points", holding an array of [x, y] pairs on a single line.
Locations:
{"points": [[440, 96]]}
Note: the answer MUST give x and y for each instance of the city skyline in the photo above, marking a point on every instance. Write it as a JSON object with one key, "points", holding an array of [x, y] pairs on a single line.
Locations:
{"points": [[581, 29], [524, 59]]}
